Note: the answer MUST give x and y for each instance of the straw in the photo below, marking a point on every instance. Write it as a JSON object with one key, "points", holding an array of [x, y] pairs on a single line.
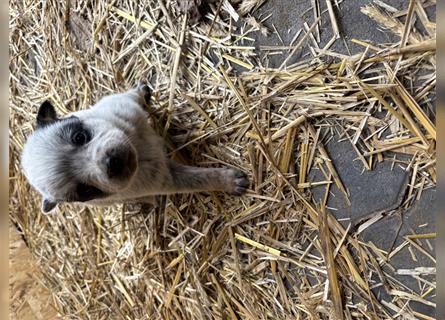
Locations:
{"points": [[274, 253]]}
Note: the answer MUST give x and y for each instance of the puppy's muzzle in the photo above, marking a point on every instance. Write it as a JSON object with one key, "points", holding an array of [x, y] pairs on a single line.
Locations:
{"points": [[120, 163]]}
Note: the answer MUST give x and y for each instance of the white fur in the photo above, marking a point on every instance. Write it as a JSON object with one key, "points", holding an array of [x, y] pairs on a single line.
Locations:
{"points": [[55, 167]]}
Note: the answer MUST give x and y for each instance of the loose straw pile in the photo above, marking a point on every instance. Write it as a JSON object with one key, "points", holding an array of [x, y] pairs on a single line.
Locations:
{"points": [[273, 253]]}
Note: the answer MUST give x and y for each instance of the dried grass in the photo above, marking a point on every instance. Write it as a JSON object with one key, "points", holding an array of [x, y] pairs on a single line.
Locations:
{"points": [[272, 254]]}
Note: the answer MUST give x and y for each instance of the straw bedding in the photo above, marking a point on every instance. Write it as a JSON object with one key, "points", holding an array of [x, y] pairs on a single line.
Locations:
{"points": [[272, 254]]}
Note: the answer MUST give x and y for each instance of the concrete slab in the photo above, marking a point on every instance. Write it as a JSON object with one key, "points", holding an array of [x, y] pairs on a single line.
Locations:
{"points": [[381, 188], [288, 17], [390, 232]]}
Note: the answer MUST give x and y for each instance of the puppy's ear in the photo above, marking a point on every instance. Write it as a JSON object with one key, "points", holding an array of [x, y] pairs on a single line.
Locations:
{"points": [[147, 93], [143, 91], [46, 114], [48, 206]]}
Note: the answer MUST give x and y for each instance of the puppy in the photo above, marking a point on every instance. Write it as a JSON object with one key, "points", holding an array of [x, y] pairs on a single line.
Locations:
{"points": [[110, 153]]}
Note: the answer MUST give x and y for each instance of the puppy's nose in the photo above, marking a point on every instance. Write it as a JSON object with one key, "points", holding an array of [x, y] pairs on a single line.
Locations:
{"points": [[115, 164]]}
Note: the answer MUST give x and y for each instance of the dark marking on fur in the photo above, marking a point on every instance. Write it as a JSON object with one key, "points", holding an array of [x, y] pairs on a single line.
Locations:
{"points": [[85, 192], [72, 126], [46, 115], [48, 205], [147, 94]]}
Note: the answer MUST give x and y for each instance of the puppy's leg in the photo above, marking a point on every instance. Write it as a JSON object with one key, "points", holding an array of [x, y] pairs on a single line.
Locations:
{"points": [[194, 179], [147, 199]]}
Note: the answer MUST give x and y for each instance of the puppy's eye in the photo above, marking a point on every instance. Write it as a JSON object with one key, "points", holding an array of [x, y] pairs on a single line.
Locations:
{"points": [[79, 138]]}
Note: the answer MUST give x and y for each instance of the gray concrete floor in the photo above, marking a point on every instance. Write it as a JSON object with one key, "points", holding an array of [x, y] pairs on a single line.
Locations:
{"points": [[288, 17], [383, 188]]}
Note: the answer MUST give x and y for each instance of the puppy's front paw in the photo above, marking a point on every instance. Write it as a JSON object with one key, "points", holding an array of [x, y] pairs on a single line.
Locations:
{"points": [[237, 182]]}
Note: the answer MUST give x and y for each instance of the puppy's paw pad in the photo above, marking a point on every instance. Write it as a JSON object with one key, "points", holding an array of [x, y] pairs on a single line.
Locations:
{"points": [[239, 183]]}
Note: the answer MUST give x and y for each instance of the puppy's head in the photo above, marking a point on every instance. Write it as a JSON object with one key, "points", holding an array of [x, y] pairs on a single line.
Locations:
{"points": [[78, 158]]}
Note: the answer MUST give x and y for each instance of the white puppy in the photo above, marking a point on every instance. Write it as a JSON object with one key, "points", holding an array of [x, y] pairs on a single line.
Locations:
{"points": [[109, 153]]}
